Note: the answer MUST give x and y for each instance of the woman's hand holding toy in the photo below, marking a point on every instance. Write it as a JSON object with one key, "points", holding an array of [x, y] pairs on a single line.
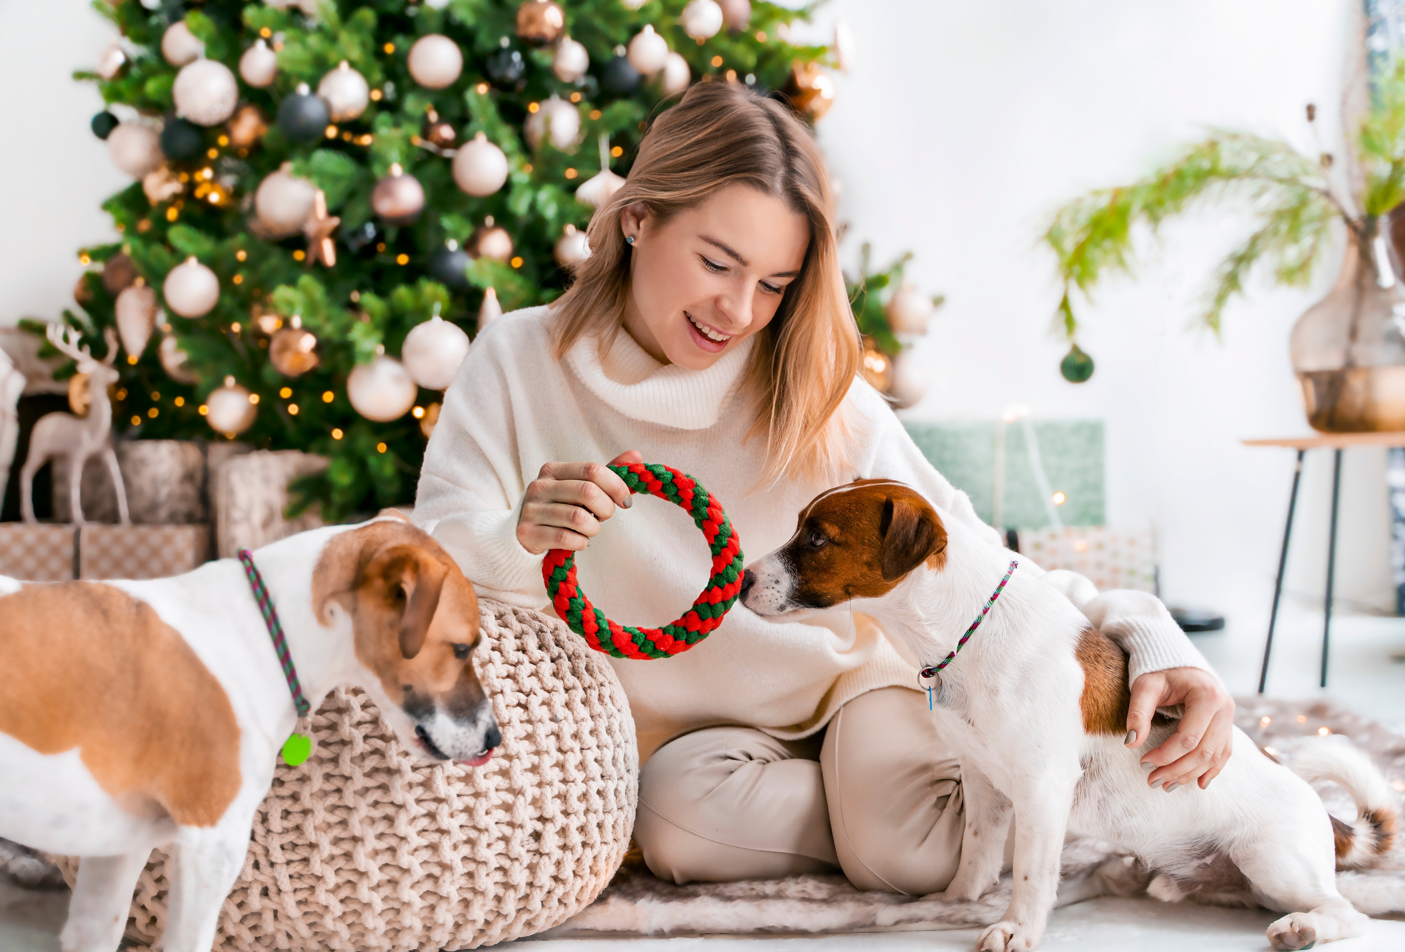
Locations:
{"points": [[564, 506]]}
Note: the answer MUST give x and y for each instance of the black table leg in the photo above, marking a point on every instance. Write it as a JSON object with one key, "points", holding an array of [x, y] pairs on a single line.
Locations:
{"points": [[1282, 563], [1331, 558]]}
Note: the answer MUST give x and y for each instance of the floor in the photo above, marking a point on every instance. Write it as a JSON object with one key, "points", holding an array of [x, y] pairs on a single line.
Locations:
{"points": [[1367, 672]]}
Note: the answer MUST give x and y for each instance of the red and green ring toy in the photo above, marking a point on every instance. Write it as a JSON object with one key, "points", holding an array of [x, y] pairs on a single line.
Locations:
{"points": [[717, 598]]}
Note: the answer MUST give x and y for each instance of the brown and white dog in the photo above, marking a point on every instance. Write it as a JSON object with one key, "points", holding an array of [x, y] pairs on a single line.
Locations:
{"points": [[1035, 705], [142, 714]]}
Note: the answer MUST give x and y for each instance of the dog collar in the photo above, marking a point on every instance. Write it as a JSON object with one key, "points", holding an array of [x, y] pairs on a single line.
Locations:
{"points": [[298, 747], [933, 672]]}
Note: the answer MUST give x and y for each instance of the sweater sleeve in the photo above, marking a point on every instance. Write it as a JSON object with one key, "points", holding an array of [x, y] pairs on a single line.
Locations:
{"points": [[471, 486], [1137, 621]]}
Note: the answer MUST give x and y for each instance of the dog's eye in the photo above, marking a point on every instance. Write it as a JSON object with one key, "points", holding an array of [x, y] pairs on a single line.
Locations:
{"points": [[816, 539], [461, 651]]}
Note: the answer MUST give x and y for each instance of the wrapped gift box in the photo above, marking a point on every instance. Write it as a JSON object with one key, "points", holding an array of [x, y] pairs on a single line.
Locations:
{"points": [[1109, 558], [141, 551], [37, 553], [250, 498]]}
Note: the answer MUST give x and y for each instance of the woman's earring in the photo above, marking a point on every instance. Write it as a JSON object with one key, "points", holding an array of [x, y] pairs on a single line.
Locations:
{"points": [[629, 240]]}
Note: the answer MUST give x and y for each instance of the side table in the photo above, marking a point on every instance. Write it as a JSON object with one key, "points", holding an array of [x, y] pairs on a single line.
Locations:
{"points": [[1336, 442]]}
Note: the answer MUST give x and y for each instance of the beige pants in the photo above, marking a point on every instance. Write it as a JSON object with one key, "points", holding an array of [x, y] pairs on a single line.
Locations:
{"points": [[880, 800]]}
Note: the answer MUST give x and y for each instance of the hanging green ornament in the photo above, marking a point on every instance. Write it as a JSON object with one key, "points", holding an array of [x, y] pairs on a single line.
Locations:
{"points": [[1076, 365], [103, 124]]}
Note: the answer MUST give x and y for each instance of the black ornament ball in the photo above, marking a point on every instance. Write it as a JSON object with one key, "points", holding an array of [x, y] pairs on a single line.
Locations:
{"points": [[180, 140], [303, 117], [506, 67], [448, 265], [103, 124], [1076, 365], [619, 77], [358, 240]]}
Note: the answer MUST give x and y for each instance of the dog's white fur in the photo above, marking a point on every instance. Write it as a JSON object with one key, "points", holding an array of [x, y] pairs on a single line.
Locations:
{"points": [[52, 802], [1009, 705]]}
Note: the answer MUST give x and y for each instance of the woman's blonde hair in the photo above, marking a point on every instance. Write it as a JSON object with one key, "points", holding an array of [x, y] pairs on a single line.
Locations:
{"points": [[722, 134]]}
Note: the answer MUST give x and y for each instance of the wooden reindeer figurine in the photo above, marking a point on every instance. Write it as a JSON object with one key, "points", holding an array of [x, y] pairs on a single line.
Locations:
{"points": [[76, 438]]}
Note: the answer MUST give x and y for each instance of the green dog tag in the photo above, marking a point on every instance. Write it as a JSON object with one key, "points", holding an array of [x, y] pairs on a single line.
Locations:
{"points": [[297, 749]]}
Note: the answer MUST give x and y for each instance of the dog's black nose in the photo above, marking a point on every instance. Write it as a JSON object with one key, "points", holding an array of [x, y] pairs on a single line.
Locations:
{"points": [[748, 580], [492, 738]]}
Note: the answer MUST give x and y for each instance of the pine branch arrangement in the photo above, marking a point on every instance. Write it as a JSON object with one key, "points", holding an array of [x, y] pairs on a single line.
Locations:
{"points": [[1291, 196]]}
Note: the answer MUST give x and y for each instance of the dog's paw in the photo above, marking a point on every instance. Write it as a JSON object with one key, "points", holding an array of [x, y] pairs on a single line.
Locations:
{"points": [[1296, 931], [1007, 937]]}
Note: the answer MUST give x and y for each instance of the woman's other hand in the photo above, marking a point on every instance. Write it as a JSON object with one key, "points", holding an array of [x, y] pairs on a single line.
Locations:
{"points": [[1204, 738], [564, 506]]}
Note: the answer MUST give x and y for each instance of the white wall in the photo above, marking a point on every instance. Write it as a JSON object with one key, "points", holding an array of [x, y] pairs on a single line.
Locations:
{"points": [[960, 127]]}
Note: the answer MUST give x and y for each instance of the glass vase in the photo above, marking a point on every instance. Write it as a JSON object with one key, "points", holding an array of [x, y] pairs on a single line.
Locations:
{"points": [[1348, 352]]}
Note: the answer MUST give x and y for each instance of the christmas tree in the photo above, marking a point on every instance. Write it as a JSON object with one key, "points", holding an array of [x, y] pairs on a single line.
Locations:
{"points": [[329, 197]]}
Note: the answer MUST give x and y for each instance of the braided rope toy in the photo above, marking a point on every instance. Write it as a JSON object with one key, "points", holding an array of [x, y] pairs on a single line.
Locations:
{"points": [[717, 598]]}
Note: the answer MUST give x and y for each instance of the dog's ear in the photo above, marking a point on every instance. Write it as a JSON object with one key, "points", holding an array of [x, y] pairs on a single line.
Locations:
{"points": [[411, 580], [911, 532]]}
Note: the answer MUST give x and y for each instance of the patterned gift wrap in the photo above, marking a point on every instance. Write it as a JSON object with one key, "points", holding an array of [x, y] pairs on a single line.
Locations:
{"points": [[37, 553], [1109, 558], [136, 552]]}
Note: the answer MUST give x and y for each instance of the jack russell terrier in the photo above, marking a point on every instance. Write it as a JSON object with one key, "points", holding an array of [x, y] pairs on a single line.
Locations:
{"points": [[1036, 707], [141, 714]]}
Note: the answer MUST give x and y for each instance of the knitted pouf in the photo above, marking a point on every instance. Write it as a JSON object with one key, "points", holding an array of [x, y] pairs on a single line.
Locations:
{"points": [[363, 848]]}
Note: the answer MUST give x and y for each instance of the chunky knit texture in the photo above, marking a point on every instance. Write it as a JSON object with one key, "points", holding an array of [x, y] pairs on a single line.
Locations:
{"points": [[513, 407], [366, 849]]}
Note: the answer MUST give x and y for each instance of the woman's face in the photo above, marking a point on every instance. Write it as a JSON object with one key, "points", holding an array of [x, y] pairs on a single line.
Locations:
{"points": [[713, 275]]}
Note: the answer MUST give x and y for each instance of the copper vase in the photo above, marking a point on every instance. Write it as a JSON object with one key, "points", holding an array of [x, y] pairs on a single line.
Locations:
{"points": [[1348, 352]]}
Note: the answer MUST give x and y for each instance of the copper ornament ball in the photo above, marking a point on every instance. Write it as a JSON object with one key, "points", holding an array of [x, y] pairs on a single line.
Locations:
{"points": [[810, 89], [247, 127], [438, 132], [398, 198], [118, 272], [491, 241], [540, 21], [292, 351]]}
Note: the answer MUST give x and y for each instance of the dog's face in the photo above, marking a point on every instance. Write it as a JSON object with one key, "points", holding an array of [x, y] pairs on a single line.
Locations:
{"points": [[853, 541], [415, 622]]}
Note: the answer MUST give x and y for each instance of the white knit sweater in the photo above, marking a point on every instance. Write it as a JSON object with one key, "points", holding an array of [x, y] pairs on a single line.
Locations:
{"points": [[512, 408]]}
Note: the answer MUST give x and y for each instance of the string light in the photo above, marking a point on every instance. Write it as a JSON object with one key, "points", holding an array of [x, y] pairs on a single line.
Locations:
{"points": [[136, 421], [328, 397], [254, 399], [286, 392], [402, 259], [516, 262], [380, 447], [293, 409], [152, 412], [571, 173], [1059, 498], [179, 401], [336, 434], [417, 413], [204, 410]]}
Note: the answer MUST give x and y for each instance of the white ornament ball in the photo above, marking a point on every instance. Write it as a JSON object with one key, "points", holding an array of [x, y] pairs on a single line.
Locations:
{"points": [[648, 51], [180, 46], [111, 61], [702, 19], [135, 311], [572, 247], [555, 119], [206, 92], [599, 188], [230, 411], [345, 91], [909, 310], [633, 4], [909, 382], [435, 61], [433, 351], [676, 75], [480, 167], [571, 60], [191, 289], [490, 310], [259, 65], [174, 361], [135, 148], [381, 390], [283, 202]]}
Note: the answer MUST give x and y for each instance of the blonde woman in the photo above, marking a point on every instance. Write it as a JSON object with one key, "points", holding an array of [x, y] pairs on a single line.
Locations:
{"points": [[709, 330]]}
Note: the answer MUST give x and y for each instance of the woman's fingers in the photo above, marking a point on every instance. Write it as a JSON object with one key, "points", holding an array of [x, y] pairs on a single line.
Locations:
{"points": [[596, 473], [1204, 737], [1146, 695]]}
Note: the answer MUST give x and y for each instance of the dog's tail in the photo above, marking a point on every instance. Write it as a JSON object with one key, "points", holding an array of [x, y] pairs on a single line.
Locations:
{"points": [[1370, 836]]}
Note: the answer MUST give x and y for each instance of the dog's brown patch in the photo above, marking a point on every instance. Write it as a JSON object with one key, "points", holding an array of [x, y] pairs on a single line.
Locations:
{"points": [[410, 604], [1105, 695], [1342, 836], [89, 667], [860, 540], [1376, 827]]}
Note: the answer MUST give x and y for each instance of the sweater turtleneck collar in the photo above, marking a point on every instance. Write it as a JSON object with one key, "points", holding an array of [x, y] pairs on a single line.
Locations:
{"points": [[638, 386]]}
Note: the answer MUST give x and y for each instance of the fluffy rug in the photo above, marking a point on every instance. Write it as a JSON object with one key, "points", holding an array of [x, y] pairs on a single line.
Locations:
{"points": [[637, 903]]}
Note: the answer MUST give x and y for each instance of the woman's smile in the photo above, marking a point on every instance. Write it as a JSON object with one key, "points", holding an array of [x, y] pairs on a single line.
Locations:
{"points": [[705, 336]]}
